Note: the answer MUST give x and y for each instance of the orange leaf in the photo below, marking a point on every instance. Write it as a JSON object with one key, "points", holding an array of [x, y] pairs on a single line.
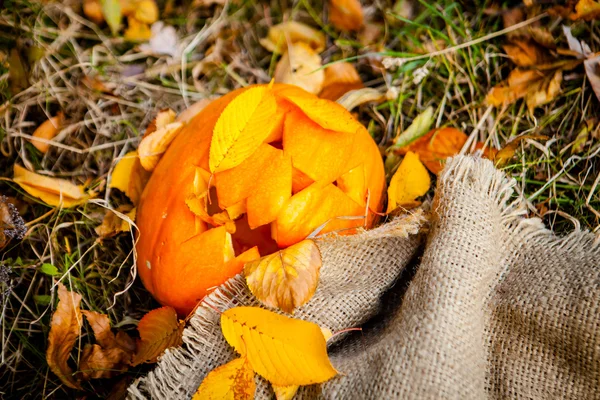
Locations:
{"points": [[301, 66], [65, 328], [436, 146], [231, 381], [508, 151], [47, 131], [159, 330], [346, 15], [525, 53], [286, 33], [286, 279], [340, 78]]}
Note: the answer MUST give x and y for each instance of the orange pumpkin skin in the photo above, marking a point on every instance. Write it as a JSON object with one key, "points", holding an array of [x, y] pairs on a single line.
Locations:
{"points": [[312, 176]]}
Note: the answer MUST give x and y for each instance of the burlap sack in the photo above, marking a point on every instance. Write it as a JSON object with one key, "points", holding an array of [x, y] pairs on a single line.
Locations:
{"points": [[498, 306]]}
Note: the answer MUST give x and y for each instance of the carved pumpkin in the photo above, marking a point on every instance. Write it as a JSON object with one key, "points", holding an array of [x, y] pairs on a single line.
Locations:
{"points": [[199, 223]]}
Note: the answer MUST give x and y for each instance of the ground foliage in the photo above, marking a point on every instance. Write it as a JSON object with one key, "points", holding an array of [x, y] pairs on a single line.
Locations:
{"points": [[110, 89]]}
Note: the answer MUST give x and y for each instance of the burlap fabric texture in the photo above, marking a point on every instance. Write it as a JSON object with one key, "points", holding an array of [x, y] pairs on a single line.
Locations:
{"points": [[482, 304]]}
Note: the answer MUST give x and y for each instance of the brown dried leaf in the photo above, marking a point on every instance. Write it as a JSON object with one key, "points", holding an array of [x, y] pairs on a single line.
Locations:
{"points": [[301, 66], [159, 330], [12, 225], [287, 33], [508, 151], [346, 15], [47, 130], [286, 279], [340, 78], [592, 70], [65, 328]]}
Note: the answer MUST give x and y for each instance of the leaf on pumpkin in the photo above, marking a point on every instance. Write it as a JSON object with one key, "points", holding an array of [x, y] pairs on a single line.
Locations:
{"points": [[52, 191], [111, 9], [112, 224], [154, 144], [12, 225], [346, 15], [301, 66], [47, 130], [242, 127], [159, 330], [286, 279], [231, 381], [285, 392], [296, 350], [65, 328], [410, 181], [110, 355], [340, 78], [199, 204], [282, 35], [130, 177], [508, 151]]}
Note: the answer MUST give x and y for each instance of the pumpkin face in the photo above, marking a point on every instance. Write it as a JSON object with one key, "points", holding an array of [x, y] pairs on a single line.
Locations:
{"points": [[198, 228]]}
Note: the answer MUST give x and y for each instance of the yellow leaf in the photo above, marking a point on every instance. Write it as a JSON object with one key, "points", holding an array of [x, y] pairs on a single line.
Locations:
{"points": [[93, 10], [113, 224], [146, 11], [301, 66], [137, 31], [346, 15], [52, 191], [159, 329], [285, 392], [283, 350], [130, 177], [242, 127], [65, 328], [410, 181], [47, 130], [286, 279], [155, 143], [198, 204], [286, 33], [231, 381]]}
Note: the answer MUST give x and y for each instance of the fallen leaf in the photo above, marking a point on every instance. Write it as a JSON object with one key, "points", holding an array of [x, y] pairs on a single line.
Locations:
{"points": [[93, 10], [340, 78], [592, 70], [582, 137], [130, 177], [12, 225], [436, 146], [111, 9], [419, 127], [137, 31], [242, 127], [18, 76], [508, 151], [286, 279], [65, 328], [52, 191], [163, 41], [282, 35], [587, 10], [525, 53], [296, 350], [231, 381], [111, 354], [47, 130], [346, 15], [355, 98], [159, 330], [285, 392], [301, 66], [146, 11], [156, 141], [410, 181], [112, 224]]}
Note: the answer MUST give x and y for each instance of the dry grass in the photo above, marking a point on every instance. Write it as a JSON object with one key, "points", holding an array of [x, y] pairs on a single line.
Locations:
{"points": [[223, 53]]}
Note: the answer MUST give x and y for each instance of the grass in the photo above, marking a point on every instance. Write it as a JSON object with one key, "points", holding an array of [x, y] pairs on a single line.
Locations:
{"points": [[560, 187]]}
